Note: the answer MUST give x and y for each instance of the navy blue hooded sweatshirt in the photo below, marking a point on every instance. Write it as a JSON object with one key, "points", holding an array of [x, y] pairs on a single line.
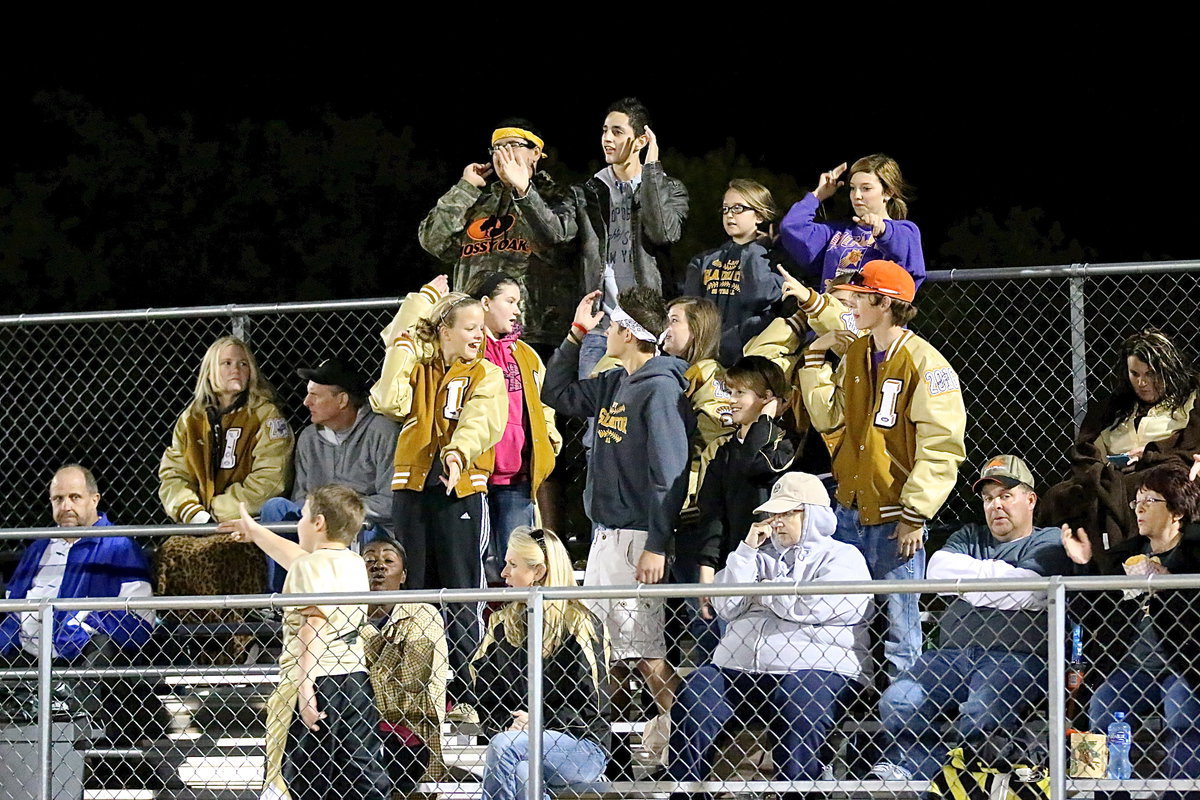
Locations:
{"points": [[638, 467]]}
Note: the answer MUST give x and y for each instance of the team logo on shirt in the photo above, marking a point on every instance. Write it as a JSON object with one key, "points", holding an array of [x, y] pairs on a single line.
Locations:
{"points": [[723, 277], [614, 423], [487, 235], [491, 227], [852, 258]]}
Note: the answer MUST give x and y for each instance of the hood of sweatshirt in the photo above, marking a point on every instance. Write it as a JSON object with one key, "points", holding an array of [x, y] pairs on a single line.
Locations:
{"points": [[819, 524], [665, 368]]}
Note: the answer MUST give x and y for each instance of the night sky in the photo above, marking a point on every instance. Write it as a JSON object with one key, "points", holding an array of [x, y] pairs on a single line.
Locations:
{"points": [[1090, 137]]}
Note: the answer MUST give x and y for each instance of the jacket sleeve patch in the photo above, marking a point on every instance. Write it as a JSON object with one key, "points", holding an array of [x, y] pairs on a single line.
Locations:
{"points": [[277, 428], [941, 381]]}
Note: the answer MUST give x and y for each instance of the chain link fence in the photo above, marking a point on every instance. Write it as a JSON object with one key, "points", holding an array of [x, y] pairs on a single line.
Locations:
{"points": [[125, 716], [1032, 348]]}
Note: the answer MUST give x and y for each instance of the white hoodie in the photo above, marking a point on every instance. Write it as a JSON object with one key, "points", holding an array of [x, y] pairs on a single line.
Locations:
{"points": [[786, 633]]}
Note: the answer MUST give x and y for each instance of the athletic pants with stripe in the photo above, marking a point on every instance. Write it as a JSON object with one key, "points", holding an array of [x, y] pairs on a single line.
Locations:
{"points": [[446, 538]]}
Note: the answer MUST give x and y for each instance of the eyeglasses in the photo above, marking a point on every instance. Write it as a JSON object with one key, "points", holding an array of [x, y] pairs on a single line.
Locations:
{"points": [[1136, 504], [735, 209], [494, 148]]}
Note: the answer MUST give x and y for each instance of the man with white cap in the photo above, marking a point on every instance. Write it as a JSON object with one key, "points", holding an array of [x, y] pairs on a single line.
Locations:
{"points": [[990, 665], [806, 654]]}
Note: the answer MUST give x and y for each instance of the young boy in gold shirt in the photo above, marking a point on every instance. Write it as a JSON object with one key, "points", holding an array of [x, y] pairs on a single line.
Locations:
{"points": [[322, 726]]}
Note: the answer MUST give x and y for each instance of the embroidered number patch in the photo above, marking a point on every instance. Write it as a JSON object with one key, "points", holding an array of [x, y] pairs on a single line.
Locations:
{"points": [[229, 457], [941, 380], [885, 417], [277, 428]]}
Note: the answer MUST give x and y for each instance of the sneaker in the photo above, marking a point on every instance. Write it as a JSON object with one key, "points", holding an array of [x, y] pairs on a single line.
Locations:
{"points": [[887, 771], [464, 713]]}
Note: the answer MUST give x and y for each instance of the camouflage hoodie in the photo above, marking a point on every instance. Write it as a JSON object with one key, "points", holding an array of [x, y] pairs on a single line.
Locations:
{"points": [[477, 230]]}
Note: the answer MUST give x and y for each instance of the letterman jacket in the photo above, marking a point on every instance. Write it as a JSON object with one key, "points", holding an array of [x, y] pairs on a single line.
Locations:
{"points": [[903, 430], [458, 408], [215, 463], [544, 436], [714, 420]]}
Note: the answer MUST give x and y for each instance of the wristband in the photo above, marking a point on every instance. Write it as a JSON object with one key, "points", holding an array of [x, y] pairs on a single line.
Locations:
{"points": [[575, 326]]}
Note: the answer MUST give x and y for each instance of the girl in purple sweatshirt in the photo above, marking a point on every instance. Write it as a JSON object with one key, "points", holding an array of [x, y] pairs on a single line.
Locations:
{"points": [[878, 230]]}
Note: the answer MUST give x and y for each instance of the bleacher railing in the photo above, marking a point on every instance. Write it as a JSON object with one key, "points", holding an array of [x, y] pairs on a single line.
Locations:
{"points": [[231, 766], [1031, 345]]}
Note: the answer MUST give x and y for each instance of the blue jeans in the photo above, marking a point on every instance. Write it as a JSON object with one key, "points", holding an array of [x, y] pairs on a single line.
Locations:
{"points": [[707, 633], [279, 509], [801, 707], [591, 350], [508, 507], [1139, 693], [902, 644], [989, 688], [566, 761]]}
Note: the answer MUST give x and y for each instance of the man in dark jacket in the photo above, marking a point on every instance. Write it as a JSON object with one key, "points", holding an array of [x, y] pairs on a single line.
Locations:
{"points": [[476, 228], [637, 470], [624, 218]]}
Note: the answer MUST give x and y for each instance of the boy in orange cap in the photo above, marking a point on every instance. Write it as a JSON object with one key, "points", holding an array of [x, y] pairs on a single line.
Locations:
{"points": [[898, 406]]}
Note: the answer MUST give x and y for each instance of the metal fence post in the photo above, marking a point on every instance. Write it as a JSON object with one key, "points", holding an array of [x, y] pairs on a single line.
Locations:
{"points": [[536, 619], [45, 719], [1079, 372], [1056, 597], [240, 327]]}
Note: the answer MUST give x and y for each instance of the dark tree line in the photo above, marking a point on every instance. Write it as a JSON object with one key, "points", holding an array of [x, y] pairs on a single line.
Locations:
{"points": [[134, 212]]}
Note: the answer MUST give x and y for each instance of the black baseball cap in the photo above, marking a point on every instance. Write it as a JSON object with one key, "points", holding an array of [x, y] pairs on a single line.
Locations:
{"points": [[335, 372]]}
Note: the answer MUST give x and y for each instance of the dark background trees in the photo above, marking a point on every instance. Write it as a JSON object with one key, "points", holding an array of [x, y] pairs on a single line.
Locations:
{"points": [[179, 177]]}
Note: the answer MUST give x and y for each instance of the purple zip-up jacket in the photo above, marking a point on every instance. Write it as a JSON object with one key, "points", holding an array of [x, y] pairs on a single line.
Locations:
{"points": [[827, 248]]}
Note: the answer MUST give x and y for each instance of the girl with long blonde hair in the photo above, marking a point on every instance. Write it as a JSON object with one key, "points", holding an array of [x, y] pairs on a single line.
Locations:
{"points": [[575, 659]]}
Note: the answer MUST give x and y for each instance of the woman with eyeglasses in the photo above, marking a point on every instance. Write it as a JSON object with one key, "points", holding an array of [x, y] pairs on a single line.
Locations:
{"points": [[452, 405], [1148, 421], [879, 228], [575, 738], [794, 661], [738, 276], [1144, 644]]}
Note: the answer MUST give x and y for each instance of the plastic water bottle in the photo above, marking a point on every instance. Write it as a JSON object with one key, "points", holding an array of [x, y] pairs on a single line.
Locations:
{"points": [[1120, 736]]}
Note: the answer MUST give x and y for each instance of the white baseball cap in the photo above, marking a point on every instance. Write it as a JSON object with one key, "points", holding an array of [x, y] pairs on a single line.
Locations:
{"points": [[793, 490]]}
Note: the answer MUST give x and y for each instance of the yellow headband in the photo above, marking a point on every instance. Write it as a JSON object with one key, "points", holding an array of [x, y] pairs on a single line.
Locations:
{"points": [[519, 133]]}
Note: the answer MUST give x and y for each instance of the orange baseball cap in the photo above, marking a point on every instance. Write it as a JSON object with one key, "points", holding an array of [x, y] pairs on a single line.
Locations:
{"points": [[883, 277]]}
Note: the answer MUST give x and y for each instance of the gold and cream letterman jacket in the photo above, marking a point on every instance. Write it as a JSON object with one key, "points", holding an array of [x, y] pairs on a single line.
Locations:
{"points": [[781, 340], [414, 306], [903, 432], [254, 463], [826, 313], [714, 419], [780, 343], [544, 435], [458, 408]]}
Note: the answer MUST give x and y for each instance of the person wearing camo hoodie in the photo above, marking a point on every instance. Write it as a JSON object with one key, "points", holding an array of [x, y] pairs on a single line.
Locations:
{"points": [[477, 228]]}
